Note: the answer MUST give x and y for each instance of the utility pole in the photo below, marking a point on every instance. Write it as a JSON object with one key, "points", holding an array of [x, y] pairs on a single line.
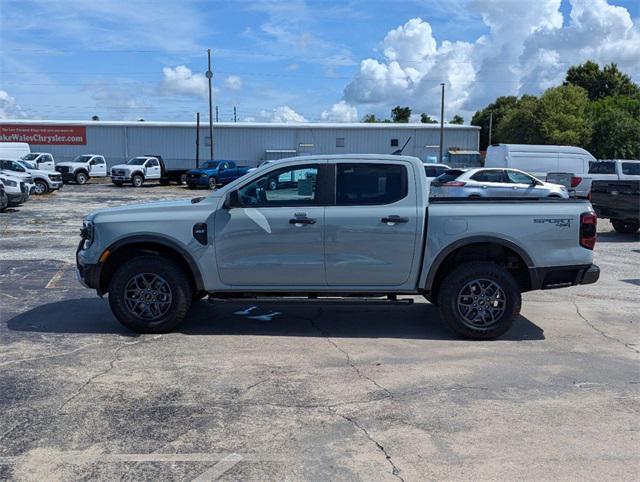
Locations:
{"points": [[490, 126], [210, 76], [216, 114], [235, 117], [442, 124], [197, 140]]}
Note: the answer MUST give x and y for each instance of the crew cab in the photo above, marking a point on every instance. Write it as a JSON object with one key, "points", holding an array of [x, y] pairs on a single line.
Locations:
{"points": [[82, 168], [215, 173], [350, 225], [615, 170], [140, 169], [45, 181], [42, 160]]}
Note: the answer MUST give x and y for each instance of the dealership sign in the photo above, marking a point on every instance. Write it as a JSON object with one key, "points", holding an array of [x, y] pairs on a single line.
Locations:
{"points": [[41, 134]]}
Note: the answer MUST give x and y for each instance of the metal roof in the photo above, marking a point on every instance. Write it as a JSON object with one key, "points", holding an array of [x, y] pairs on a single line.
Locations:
{"points": [[271, 125]]}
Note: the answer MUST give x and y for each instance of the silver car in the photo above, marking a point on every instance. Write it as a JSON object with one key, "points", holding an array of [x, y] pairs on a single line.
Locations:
{"points": [[494, 183]]}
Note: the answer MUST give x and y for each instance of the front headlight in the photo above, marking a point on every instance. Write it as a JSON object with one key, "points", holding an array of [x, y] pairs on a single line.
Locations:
{"points": [[8, 182], [86, 233]]}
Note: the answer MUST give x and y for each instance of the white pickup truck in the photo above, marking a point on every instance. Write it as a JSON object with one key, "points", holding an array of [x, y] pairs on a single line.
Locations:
{"points": [[42, 160], [82, 168], [351, 225]]}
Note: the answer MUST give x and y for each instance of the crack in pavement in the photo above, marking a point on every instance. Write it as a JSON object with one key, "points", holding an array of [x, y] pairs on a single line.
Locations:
{"points": [[597, 330], [111, 366], [327, 337], [44, 357], [394, 468]]}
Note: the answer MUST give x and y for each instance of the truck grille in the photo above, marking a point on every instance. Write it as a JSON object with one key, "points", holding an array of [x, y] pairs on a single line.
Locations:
{"points": [[55, 177], [23, 188], [117, 172], [62, 169], [28, 180]]}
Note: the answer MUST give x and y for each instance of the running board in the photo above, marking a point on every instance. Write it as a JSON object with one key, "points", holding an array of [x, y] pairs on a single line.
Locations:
{"points": [[313, 300]]}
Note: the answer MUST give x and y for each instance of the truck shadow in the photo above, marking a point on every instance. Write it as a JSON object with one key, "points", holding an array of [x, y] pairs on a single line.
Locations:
{"points": [[417, 321], [614, 237]]}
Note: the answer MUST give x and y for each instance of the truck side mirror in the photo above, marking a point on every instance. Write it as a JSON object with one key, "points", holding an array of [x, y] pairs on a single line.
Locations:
{"points": [[233, 200]]}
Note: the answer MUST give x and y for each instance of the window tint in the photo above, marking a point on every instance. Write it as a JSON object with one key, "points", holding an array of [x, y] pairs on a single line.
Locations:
{"points": [[291, 186], [358, 184], [631, 168], [448, 176], [394, 142], [518, 177], [488, 176], [99, 160], [152, 163], [602, 167]]}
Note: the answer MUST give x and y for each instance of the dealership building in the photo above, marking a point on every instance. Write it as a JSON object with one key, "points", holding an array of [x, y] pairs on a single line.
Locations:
{"points": [[244, 142]]}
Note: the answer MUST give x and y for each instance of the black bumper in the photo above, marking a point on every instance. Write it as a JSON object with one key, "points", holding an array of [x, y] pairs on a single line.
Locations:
{"points": [[67, 176], [563, 276], [88, 274], [15, 199]]}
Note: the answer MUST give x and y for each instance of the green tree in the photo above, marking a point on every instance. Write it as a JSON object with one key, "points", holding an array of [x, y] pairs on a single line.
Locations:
{"points": [[499, 108], [616, 127], [601, 83], [457, 120], [400, 114], [369, 118], [520, 125], [427, 119], [561, 114]]}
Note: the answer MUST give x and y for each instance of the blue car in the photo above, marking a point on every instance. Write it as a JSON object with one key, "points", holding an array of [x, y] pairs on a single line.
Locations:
{"points": [[215, 173]]}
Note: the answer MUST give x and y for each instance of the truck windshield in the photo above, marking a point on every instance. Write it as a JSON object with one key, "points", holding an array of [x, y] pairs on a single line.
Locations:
{"points": [[27, 164], [210, 165], [30, 157], [137, 161], [631, 168], [83, 158]]}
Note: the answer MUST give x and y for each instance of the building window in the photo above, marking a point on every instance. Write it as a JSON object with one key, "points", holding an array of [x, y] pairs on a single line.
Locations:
{"points": [[339, 141], [394, 143]]}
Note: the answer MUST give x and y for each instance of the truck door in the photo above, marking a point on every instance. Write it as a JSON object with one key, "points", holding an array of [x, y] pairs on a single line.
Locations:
{"points": [[45, 162], [225, 173], [370, 233], [97, 167], [152, 169], [276, 237], [493, 183]]}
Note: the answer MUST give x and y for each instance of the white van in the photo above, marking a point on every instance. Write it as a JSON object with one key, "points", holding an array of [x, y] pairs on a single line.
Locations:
{"points": [[553, 163], [13, 151]]}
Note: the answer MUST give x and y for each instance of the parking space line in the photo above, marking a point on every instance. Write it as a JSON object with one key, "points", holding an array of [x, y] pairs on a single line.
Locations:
{"points": [[55, 279]]}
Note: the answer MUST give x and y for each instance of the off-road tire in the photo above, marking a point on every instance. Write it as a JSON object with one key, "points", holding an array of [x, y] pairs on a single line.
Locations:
{"points": [[176, 278], [452, 288], [137, 180], [182, 180], [81, 178], [625, 227], [213, 182], [41, 186]]}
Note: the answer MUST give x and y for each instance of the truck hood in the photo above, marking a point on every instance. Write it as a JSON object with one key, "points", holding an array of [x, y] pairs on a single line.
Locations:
{"points": [[21, 176], [202, 171], [40, 173], [126, 167], [142, 208], [72, 164]]}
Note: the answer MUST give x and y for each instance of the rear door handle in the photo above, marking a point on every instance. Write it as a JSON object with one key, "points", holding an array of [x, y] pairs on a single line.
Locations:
{"points": [[302, 221], [394, 219]]}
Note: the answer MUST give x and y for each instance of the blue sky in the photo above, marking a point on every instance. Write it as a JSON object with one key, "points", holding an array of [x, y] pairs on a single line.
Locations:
{"points": [[299, 60]]}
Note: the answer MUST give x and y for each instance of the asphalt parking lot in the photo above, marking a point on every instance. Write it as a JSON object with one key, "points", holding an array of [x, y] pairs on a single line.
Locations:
{"points": [[306, 392]]}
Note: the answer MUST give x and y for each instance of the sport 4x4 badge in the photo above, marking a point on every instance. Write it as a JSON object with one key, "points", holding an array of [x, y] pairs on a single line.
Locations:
{"points": [[559, 222]]}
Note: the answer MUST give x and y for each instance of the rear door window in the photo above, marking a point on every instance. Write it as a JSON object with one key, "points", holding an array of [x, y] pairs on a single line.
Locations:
{"points": [[631, 168], [516, 177], [489, 175], [370, 184], [448, 176]]}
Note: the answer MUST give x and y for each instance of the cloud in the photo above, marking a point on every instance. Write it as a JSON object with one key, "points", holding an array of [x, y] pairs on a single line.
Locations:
{"points": [[233, 82], [340, 112], [283, 113], [528, 48], [120, 102], [182, 81], [9, 109]]}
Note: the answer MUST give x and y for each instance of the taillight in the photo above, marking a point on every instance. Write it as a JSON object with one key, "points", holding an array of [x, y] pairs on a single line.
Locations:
{"points": [[454, 184], [575, 180], [588, 230]]}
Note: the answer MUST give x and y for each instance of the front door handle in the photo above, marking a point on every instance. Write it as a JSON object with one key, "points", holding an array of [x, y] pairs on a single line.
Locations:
{"points": [[394, 219], [302, 221]]}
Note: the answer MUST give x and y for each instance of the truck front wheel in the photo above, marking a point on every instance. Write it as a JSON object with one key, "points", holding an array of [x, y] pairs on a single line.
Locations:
{"points": [[137, 180], [41, 186], [150, 295], [628, 226], [81, 178], [479, 300], [213, 182]]}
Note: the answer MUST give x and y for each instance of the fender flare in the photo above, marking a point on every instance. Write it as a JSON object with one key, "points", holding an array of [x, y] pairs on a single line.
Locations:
{"points": [[461, 243], [138, 173], [166, 242]]}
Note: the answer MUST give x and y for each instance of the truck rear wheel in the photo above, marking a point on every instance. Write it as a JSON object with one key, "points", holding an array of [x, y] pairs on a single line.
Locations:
{"points": [[213, 182], [182, 180], [628, 226], [479, 300], [81, 178], [150, 295], [137, 180]]}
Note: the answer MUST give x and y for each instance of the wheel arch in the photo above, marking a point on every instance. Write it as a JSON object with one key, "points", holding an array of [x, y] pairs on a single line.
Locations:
{"points": [[133, 246], [482, 248]]}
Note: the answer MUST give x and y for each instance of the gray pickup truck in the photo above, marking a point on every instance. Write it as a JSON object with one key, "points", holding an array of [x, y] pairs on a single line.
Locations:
{"points": [[353, 225]]}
